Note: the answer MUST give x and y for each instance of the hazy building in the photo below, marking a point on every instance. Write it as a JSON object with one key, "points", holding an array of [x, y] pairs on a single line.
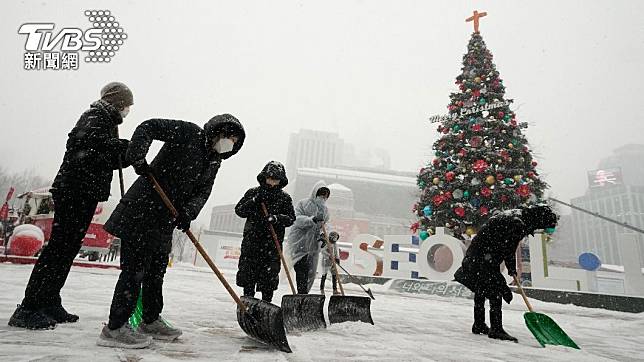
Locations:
{"points": [[309, 148], [616, 190], [224, 219]]}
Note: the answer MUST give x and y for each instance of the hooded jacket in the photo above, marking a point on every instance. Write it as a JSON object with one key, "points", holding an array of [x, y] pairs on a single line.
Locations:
{"points": [[185, 167], [304, 235], [92, 154], [259, 262], [496, 242]]}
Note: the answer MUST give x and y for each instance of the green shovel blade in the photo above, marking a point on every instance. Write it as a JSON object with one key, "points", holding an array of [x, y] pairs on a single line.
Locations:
{"points": [[546, 331], [137, 315]]}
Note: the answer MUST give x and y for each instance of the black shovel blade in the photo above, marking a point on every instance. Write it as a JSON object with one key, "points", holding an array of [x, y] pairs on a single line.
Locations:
{"points": [[263, 322], [349, 309], [303, 312]]}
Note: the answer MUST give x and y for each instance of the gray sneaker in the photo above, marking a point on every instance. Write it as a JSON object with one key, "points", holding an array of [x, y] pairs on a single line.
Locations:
{"points": [[160, 329], [124, 337]]}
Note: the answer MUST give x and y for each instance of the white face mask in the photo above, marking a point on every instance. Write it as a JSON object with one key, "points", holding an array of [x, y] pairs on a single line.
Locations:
{"points": [[322, 199], [224, 145], [125, 112]]}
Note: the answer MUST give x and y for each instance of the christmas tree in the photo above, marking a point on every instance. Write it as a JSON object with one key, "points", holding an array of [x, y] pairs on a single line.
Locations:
{"points": [[483, 163]]}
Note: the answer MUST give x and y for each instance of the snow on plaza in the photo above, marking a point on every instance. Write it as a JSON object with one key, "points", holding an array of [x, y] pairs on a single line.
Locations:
{"points": [[407, 328]]}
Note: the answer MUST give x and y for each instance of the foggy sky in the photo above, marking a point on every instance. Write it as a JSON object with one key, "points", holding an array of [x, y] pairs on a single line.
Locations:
{"points": [[373, 71]]}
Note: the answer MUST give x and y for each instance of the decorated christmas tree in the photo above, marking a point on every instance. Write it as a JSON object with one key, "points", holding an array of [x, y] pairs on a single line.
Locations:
{"points": [[482, 163]]}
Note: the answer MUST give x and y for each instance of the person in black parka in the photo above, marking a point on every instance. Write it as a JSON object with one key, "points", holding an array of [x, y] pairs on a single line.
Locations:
{"points": [[185, 168], [497, 242], [259, 263], [93, 152]]}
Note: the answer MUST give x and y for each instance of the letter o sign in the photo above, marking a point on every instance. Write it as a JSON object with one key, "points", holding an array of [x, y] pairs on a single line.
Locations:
{"points": [[434, 256]]}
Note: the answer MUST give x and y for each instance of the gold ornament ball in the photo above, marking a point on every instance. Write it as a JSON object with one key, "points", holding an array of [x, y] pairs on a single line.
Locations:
{"points": [[490, 180], [517, 178], [470, 231], [510, 145], [436, 180], [477, 79]]}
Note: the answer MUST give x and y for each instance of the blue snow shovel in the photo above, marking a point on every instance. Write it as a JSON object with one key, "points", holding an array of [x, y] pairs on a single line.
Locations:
{"points": [[544, 329]]}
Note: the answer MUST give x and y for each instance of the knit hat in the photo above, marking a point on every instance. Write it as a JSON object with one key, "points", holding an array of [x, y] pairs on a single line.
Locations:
{"points": [[117, 94]]}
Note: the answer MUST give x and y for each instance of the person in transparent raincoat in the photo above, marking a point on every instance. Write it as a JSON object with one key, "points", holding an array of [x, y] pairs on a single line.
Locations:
{"points": [[302, 245]]}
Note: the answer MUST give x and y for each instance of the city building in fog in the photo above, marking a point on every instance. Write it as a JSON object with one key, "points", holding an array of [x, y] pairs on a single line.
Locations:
{"points": [[309, 148], [615, 190]]}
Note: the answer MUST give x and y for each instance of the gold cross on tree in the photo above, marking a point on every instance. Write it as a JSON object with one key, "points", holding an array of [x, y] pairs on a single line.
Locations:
{"points": [[475, 17]]}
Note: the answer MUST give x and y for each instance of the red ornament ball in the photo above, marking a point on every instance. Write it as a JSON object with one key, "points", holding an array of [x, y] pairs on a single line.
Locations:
{"points": [[486, 192], [459, 211], [480, 166], [484, 210], [450, 176], [523, 190]]}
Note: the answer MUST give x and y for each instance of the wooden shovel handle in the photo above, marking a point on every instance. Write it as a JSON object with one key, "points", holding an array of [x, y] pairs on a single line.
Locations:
{"points": [[121, 183], [279, 250], [197, 244], [525, 299], [335, 268]]}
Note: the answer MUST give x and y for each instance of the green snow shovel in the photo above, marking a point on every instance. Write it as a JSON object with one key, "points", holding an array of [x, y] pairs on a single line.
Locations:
{"points": [[544, 329], [301, 312]]}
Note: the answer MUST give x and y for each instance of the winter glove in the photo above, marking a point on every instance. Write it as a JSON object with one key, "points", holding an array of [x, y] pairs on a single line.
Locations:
{"points": [[322, 244], [260, 197], [141, 167], [512, 273], [318, 219], [507, 295], [182, 221], [119, 144]]}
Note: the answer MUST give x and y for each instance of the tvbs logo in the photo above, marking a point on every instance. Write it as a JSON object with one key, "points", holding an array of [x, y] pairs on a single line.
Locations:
{"points": [[48, 49]]}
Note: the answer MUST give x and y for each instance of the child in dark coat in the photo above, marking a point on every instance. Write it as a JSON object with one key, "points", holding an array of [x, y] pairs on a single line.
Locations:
{"points": [[496, 242], [259, 262]]}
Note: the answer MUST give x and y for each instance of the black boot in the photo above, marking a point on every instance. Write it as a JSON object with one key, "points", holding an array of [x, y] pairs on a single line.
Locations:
{"points": [[31, 319], [496, 321], [479, 326], [249, 291], [267, 296], [59, 314]]}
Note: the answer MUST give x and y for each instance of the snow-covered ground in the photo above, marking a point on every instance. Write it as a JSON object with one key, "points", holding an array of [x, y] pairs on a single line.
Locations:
{"points": [[407, 327]]}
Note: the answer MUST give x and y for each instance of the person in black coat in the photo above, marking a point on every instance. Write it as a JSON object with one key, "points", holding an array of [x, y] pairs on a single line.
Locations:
{"points": [[84, 178], [185, 167], [259, 263], [497, 242]]}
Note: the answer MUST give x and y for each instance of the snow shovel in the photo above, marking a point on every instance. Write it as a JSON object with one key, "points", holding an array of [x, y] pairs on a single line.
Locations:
{"points": [[368, 291], [260, 320], [301, 312], [344, 308], [544, 329]]}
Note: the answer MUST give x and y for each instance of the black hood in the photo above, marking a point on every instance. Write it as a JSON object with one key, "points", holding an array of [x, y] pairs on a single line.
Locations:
{"points": [[274, 170], [229, 126], [538, 217]]}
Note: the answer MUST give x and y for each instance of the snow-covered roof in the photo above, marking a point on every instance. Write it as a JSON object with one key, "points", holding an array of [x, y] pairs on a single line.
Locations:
{"points": [[341, 174]]}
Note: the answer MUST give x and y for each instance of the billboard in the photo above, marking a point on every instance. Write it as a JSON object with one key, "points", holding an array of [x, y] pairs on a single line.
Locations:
{"points": [[604, 177]]}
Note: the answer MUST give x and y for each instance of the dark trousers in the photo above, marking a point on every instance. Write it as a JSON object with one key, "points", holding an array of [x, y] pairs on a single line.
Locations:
{"points": [[72, 217], [267, 295], [334, 281], [496, 316], [143, 265], [302, 275]]}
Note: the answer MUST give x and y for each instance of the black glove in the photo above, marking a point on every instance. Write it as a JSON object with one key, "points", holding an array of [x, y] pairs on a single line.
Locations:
{"points": [[322, 244], [512, 273], [182, 221], [261, 196], [119, 144], [507, 295], [271, 219], [141, 167], [318, 218]]}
